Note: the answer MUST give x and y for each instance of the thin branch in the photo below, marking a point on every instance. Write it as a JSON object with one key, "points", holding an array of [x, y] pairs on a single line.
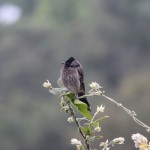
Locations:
{"points": [[78, 125], [131, 113]]}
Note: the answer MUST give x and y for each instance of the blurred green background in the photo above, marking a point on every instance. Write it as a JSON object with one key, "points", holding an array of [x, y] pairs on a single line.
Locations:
{"points": [[111, 38]]}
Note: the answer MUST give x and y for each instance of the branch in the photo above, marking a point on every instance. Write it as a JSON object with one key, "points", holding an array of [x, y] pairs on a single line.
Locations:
{"points": [[131, 113], [72, 113]]}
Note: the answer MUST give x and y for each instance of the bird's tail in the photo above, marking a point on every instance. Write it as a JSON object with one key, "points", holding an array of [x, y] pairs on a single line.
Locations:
{"points": [[84, 100]]}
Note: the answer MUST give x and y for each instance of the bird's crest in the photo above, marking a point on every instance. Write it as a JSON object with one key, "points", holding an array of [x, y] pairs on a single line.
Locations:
{"points": [[70, 60]]}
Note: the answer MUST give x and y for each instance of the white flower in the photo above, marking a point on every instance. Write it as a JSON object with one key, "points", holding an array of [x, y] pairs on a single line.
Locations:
{"points": [[47, 84], [119, 140], [79, 147], [97, 129], [62, 102], [100, 108], [95, 86], [106, 145], [70, 119], [75, 142], [103, 144], [148, 129], [140, 141], [65, 108]]}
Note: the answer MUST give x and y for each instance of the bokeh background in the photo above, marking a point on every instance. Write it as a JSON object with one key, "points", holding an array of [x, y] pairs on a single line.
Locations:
{"points": [[111, 38]]}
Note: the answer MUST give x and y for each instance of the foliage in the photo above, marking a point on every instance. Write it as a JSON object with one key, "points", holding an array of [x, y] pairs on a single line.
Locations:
{"points": [[90, 126]]}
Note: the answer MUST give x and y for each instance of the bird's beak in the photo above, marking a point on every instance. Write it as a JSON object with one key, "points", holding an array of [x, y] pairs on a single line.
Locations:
{"points": [[63, 63]]}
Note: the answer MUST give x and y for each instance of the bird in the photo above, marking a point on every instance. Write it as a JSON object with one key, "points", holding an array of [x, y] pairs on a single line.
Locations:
{"points": [[72, 78]]}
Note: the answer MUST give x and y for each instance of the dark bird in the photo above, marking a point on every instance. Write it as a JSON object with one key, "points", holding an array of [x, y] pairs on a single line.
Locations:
{"points": [[72, 77]]}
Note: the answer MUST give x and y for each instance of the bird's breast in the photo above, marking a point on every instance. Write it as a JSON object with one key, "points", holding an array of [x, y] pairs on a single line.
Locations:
{"points": [[70, 79]]}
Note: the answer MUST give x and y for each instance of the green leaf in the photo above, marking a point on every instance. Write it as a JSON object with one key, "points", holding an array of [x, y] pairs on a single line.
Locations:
{"points": [[95, 124], [68, 96], [78, 105], [82, 108], [86, 130], [99, 137]]}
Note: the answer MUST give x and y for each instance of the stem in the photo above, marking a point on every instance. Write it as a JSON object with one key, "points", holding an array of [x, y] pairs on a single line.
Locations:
{"points": [[78, 125], [131, 113], [93, 117]]}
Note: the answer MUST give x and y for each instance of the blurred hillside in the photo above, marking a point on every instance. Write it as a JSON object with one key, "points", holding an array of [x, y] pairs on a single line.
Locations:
{"points": [[111, 38]]}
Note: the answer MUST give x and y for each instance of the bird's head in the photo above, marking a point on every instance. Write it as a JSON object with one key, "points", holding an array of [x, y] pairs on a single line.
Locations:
{"points": [[71, 62]]}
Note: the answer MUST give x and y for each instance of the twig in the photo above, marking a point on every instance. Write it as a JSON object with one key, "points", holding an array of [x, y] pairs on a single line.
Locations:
{"points": [[78, 125], [131, 113]]}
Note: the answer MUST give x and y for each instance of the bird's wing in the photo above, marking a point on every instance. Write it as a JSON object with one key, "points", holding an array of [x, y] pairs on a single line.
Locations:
{"points": [[81, 78]]}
